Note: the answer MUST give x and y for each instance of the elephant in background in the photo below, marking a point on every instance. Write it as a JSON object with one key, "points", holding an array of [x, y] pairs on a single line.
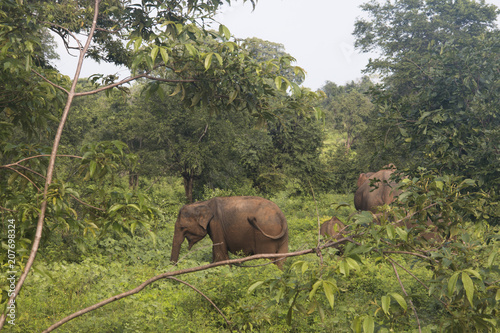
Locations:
{"points": [[383, 191], [332, 228], [251, 225]]}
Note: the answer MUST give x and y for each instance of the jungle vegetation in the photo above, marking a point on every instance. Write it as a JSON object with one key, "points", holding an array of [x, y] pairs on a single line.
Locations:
{"points": [[93, 171]]}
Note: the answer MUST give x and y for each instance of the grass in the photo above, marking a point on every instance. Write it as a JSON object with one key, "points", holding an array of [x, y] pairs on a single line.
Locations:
{"points": [[113, 265]]}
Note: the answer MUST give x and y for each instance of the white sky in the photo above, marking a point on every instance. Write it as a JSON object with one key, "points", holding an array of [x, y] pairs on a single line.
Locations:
{"points": [[318, 33]]}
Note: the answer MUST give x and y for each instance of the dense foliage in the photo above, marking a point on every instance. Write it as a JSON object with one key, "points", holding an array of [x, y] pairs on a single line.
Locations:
{"points": [[212, 115]]}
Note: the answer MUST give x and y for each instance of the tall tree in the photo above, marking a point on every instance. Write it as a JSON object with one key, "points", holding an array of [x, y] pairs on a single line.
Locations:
{"points": [[439, 102]]}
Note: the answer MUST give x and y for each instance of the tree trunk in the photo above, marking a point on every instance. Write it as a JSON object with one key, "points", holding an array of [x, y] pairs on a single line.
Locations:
{"points": [[133, 179], [188, 186]]}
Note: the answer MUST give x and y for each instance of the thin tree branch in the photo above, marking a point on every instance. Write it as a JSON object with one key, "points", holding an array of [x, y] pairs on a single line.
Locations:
{"points": [[406, 294], [51, 167], [23, 175], [206, 297], [37, 156], [413, 254], [132, 78], [50, 82], [418, 280], [86, 204]]}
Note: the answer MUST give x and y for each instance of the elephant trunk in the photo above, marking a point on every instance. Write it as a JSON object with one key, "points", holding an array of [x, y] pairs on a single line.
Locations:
{"points": [[176, 245]]}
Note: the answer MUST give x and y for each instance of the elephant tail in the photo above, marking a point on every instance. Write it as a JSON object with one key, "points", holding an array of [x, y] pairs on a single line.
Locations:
{"points": [[253, 223]]}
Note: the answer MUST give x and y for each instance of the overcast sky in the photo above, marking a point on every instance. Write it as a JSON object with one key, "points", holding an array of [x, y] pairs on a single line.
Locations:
{"points": [[318, 33]]}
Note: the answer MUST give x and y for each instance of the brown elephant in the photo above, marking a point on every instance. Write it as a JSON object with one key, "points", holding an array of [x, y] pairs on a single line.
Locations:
{"points": [[251, 225], [383, 191], [332, 228]]}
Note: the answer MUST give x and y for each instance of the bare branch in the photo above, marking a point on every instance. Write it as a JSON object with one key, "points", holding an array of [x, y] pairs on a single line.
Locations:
{"points": [[132, 78], [50, 82], [406, 294], [23, 175], [206, 297], [417, 279], [413, 254], [43, 155], [86, 204]]}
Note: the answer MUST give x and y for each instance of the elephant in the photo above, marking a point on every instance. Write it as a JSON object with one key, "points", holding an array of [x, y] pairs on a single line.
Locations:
{"points": [[383, 191], [251, 225], [332, 228]]}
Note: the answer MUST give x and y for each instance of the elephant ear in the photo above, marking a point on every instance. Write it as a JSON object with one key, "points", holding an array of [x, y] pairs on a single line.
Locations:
{"points": [[204, 215]]}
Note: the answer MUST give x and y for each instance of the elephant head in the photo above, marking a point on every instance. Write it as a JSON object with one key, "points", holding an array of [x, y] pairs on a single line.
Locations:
{"points": [[332, 228], [192, 224], [376, 189]]}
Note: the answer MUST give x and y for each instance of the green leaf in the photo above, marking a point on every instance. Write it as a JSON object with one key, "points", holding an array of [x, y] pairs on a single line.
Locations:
{"points": [[492, 256], [219, 58], [386, 303], [368, 325], [278, 80], [254, 286], [114, 208], [232, 96], [137, 44], [93, 167], [452, 283], [400, 299], [390, 231], [154, 52], [191, 49], [164, 55], [134, 206], [473, 272], [353, 264], [305, 266], [224, 31], [469, 287], [329, 289], [315, 288], [208, 60], [177, 89], [402, 234]]}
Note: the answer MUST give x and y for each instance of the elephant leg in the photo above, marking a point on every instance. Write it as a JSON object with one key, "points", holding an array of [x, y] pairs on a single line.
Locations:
{"points": [[272, 246]]}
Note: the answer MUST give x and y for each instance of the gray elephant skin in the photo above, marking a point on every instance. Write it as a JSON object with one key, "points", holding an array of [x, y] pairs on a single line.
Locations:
{"points": [[332, 228], [251, 225], [383, 191]]}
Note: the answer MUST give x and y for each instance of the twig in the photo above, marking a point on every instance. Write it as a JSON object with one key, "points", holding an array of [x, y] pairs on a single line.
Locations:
{"points": [[413, 254], [418, 280], [206, 297], [37, 156], [23, 175], [86, 204], [50, 82], [406, 294]]}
